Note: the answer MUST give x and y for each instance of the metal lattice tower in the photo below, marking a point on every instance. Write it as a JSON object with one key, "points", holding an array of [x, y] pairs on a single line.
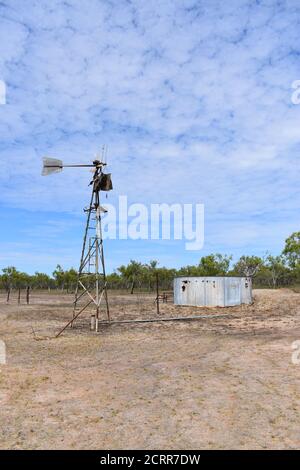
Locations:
{"points": [[91, 288], [91, 282]]}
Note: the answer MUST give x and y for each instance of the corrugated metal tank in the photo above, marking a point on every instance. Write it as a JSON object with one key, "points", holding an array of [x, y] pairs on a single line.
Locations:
{"points": [[212, 291]]}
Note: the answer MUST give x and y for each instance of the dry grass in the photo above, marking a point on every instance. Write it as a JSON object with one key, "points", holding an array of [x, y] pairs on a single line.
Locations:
{"points": [[214, 383]]}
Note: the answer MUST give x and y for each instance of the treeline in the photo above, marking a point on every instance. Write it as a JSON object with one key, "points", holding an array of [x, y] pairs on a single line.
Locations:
{"points": [[268, 271]]}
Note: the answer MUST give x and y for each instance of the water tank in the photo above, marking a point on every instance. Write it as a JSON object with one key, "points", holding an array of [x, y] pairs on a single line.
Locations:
{"points": [[212, 291]]}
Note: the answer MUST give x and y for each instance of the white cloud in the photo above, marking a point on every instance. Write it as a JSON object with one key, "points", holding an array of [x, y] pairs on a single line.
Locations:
{"points": [[192, 98]]}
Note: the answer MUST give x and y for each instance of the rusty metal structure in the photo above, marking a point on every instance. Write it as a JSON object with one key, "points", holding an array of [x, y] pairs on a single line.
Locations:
{"points": [[91, 288]]}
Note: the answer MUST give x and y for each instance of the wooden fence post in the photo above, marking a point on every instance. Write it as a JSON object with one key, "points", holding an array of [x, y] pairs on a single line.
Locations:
{"points": [[8, 294], [157, 294]]}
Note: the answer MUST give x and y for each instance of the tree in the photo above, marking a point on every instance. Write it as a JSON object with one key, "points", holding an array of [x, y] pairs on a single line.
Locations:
{"points": [[132, 272], [41, 280], [275, 265], [10, 277], [66, 279], [166, 277], [214, 265], [22, 280], [70, 279], [248, 266], [292, 250], [150, 271], [189, 270], [114, 281], [59, 277]]}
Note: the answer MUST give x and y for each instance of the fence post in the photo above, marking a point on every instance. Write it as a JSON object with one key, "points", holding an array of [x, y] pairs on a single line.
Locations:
{"points": [[19, 295], [157, 295], [8, 294], [27, 294]]}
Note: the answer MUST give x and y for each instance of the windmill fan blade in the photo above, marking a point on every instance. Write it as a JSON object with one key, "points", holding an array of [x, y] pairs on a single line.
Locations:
{"points": [[51, 165]]}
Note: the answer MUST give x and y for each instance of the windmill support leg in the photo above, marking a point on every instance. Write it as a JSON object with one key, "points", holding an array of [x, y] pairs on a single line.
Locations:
{"points": [[76, 316], [97, 320]]}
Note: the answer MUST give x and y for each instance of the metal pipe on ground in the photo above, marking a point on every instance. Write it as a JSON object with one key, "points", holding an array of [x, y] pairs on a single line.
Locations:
{"points": [[157, 320]]}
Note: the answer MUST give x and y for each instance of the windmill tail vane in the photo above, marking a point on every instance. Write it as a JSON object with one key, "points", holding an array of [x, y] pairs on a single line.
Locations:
{"points": [[51, 165]]}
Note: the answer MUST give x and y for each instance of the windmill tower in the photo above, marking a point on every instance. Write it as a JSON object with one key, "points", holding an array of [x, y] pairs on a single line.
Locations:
{"points": [[91, 288]]}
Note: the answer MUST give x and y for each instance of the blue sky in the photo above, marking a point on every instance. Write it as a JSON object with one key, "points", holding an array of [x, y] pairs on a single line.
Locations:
{"points": [[193, 99]]}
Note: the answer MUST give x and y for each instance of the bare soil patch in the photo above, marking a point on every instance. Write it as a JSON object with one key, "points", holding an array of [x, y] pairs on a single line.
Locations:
{"points": [[219, 383]]}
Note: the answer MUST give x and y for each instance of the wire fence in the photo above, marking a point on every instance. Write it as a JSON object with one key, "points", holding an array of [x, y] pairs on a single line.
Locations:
{"points": [[53, 309]]}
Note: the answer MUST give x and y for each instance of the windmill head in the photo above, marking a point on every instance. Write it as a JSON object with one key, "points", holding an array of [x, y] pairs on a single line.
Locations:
{"points": [[53, 165], [101, 181]]}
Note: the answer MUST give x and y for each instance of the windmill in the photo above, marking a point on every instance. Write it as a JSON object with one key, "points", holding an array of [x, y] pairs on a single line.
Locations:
{"points": [[91, 287]]}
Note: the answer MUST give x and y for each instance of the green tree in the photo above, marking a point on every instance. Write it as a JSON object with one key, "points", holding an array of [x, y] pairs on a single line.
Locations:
{"points": [[41, 280], [70, 279], [277, 270], [10, 277], [214, 265], [132, 272], [150, 271], [114, 281], [166, 277], [292, 250], [248, 266], [59, 276], [189, 270]]}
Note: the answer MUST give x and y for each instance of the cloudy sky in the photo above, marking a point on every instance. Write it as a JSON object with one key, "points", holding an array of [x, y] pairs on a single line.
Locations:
{"points": [[193, 99]]}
